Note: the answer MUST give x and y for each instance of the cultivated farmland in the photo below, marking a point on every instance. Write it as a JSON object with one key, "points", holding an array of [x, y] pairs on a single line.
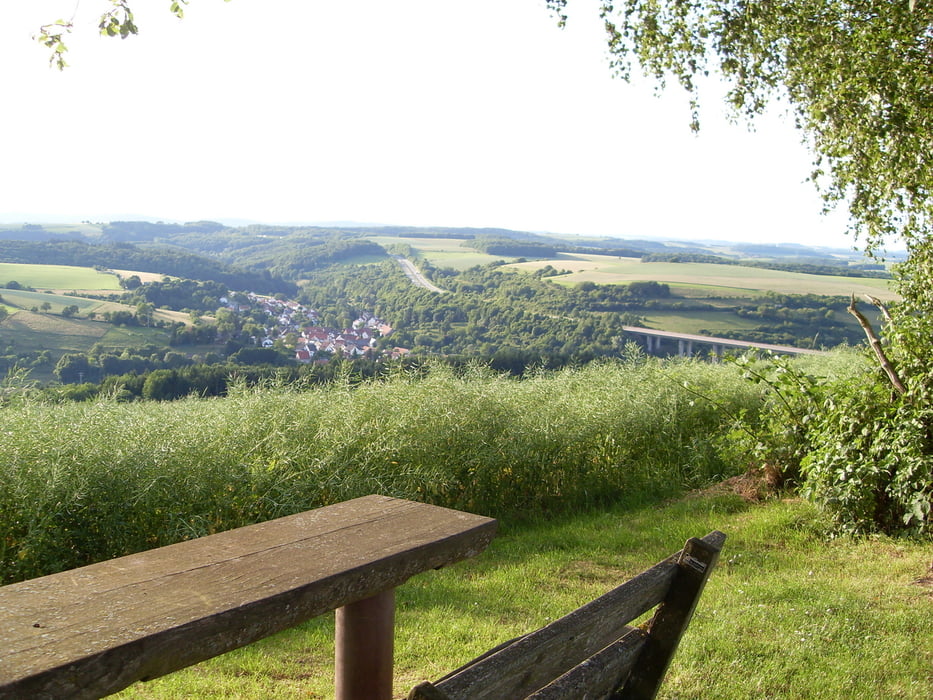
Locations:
{"points": [[713, 279], [63, 277]]}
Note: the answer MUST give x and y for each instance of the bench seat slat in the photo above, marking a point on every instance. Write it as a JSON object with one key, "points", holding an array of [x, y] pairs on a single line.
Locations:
{"points": [[92, 631]]}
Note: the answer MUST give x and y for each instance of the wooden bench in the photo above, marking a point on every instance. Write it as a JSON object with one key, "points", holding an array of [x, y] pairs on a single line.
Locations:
{"points": [[593, 652], [92, 631]]}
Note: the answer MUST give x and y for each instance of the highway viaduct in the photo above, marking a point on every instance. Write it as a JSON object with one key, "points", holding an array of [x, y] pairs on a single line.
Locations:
{"points": [[654, 339]]}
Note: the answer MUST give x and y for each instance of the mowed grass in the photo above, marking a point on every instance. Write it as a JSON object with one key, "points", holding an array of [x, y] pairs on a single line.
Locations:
{"points": [[787, 613], [58, 277], [719, 279]]}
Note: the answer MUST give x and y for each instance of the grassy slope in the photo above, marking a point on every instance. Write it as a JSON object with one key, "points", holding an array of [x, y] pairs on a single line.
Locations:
{"points": [[37, 331], [26, 330], [58, 277], [788, 613]]}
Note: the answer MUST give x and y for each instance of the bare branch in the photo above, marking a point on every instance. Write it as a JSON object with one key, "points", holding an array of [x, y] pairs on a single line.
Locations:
{"points": [[875, 343], [881, 307]]}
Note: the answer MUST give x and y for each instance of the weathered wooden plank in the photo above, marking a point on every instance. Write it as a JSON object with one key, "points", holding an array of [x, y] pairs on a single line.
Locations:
{"points": [[591, 649], [599, 676], [537, 658], [670, 622], [92, 631]]}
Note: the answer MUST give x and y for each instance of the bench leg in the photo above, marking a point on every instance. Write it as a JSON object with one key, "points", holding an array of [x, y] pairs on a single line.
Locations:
{"points": [[363, 640]]}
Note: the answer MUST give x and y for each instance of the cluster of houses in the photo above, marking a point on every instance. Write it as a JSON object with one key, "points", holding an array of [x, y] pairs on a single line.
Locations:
{"points": [[351, 342], [299, 324]]}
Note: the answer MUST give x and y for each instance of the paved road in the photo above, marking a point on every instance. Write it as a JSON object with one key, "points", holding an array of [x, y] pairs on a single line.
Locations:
{"points": [[414, 274]]}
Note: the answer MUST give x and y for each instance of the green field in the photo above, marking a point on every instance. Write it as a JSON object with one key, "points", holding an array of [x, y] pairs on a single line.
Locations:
{"points": [[441, 252], [712, 322], [27, 300], [717, 280], [47, 331], [57, 277], [691, 280], [41, 331], [25, 331]]}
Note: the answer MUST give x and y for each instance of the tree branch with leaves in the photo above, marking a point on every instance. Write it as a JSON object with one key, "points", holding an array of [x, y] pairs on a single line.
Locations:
{"points": [[117, 20]]}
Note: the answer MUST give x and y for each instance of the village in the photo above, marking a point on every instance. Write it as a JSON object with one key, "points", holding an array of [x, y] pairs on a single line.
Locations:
{"points": [[295, 326]]}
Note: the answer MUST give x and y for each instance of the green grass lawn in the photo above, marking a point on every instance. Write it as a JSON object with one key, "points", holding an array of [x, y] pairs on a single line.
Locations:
{"points": [[789, 612]]}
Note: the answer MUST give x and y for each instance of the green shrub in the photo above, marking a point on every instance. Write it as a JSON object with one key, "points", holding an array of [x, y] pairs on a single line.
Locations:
{"points": [[871, 465], [836, 429]]}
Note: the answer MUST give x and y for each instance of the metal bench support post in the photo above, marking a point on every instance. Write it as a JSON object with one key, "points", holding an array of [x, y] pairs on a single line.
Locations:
{"points": [[363, 648]]}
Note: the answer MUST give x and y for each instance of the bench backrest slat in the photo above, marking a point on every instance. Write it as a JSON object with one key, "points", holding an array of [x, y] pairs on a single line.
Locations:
{"points": [[539, 657], [92, 631], [593, 647], [596, 677]]}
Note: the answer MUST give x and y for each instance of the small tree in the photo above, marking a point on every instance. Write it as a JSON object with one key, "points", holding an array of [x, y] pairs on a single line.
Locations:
{"points": [[144, 312]]}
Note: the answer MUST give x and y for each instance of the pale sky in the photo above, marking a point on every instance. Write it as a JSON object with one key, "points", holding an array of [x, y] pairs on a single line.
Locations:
{"points": [[412, 112]]}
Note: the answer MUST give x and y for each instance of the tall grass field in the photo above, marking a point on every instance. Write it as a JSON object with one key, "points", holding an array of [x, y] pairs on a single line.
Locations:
{"points": [[84, 482]]}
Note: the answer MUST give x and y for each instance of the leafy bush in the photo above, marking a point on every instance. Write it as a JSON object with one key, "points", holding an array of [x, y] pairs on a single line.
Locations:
{"points": [[855, 447], [871, 465]]}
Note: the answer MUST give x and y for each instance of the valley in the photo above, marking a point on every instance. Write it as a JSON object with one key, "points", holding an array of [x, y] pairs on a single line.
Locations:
{"points": [[513, 299]]}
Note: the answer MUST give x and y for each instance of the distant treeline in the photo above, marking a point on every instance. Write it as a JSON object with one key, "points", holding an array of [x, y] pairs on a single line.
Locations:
{"points": [[137, 231], [507, 247], [126, 256], [35, 232], [512, 248], [618, 252], [825, 267]]}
